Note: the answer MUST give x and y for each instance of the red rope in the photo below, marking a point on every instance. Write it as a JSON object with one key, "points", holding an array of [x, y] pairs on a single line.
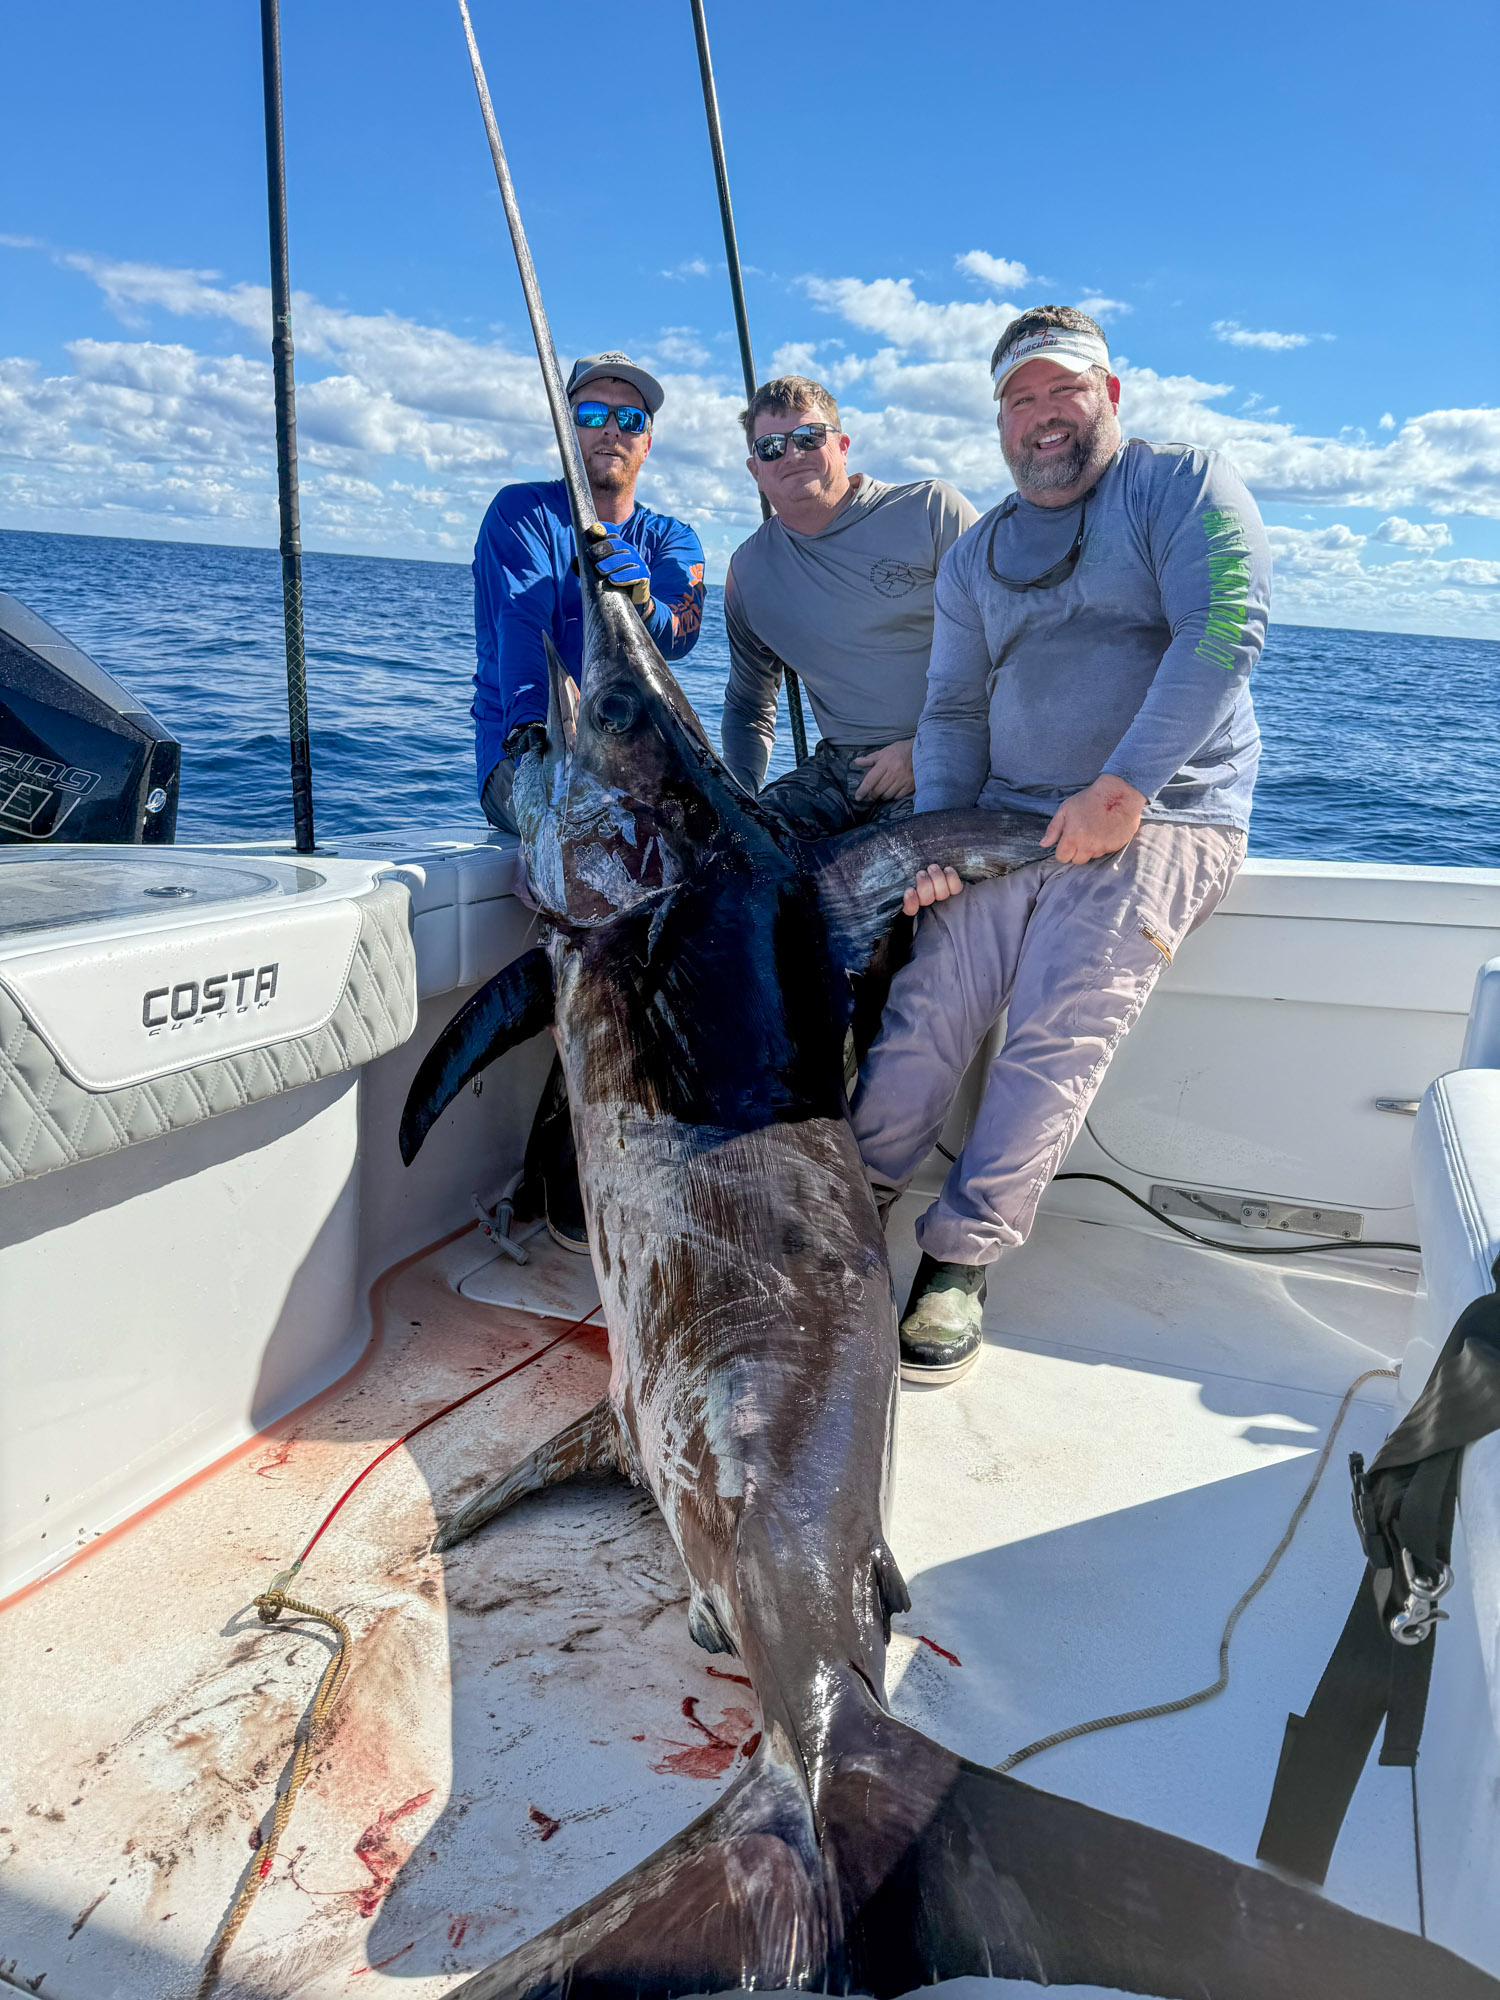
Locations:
{"points": [[457, 1404]]}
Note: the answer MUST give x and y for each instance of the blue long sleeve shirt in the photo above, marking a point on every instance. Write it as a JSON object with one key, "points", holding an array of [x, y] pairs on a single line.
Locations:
{"points": [[1137, 664], [524, 585]]}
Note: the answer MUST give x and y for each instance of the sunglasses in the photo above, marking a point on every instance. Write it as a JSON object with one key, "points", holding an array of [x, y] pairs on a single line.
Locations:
{"points": [[1049, 579], [806, 437], [594, 416]]}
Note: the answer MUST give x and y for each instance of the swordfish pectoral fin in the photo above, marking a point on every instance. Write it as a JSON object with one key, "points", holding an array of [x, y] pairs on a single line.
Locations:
{"points": [[591, 1443], [862, 876], [515, 1005], [925, 1867]]}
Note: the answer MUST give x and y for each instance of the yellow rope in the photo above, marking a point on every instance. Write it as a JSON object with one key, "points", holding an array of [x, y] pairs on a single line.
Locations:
{"points": [[270, 1606]]}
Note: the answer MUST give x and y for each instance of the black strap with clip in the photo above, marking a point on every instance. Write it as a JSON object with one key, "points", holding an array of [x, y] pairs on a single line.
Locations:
{"points": [[1381, 1668]]}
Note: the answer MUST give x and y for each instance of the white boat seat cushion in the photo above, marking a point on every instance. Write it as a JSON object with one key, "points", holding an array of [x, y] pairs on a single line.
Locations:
{"points": [[1455, 1167], [48, 1120], [1482, 1041]]}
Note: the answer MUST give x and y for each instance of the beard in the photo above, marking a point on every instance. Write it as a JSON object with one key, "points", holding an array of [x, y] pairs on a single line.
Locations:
{"points": [[609, 474], [1034, 473]]}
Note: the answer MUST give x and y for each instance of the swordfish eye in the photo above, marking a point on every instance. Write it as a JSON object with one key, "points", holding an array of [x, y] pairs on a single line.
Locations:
{"points": [[616, 710]]}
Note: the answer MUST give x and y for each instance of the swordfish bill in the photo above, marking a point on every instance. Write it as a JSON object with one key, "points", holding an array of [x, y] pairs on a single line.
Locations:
{"points": [[699, 965]]}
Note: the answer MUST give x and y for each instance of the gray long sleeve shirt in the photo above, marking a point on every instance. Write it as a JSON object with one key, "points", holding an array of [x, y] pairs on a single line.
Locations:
{"points": [[1136, 665], [849, 609]]}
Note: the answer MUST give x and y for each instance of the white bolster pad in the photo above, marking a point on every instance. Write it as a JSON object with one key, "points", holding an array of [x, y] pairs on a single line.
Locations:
{"points": [[1455, 1173], [1482, 1041], [320, 999]]}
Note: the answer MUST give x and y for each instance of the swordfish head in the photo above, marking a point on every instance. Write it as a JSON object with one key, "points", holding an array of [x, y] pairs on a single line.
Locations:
{"points": [[629, 797]]}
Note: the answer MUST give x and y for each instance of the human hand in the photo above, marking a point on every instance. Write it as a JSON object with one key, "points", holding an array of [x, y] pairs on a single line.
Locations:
{"points": [[933, 885], [1098, 820], [888, 773], [524, 737], [619, 564]]}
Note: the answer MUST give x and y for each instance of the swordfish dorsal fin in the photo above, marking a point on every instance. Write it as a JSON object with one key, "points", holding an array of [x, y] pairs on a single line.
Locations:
{"points": [[515, 1005], [862, 876]]}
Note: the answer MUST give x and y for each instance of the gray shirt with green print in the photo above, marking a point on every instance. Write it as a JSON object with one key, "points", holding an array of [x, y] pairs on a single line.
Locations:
{"points": [[1136, 664]]}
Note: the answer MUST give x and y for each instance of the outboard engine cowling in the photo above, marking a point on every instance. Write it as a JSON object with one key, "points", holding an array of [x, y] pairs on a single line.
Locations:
{"points": [[80, 758]]}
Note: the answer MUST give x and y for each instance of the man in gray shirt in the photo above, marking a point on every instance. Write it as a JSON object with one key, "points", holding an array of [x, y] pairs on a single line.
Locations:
{"points": [[838, 586], [1094, 636]]}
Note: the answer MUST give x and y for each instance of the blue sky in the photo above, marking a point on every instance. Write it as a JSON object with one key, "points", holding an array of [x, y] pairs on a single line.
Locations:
{"points": [[1288, 212]]}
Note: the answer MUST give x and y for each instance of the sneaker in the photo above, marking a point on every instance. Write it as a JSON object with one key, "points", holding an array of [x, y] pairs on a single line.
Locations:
{"points": [[571, 1235], [565, 1223], [940, 1329]]}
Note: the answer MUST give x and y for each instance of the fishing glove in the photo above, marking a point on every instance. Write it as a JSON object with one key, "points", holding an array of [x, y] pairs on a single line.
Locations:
{"points": [[620, 564], [525, 736]]}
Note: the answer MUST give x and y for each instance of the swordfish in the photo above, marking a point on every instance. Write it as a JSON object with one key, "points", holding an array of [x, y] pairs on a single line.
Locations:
{"points": [[696, 976]]}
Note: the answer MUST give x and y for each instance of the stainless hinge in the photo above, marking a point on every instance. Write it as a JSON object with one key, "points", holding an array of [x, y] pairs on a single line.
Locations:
{"points": [[1258, 1212]]}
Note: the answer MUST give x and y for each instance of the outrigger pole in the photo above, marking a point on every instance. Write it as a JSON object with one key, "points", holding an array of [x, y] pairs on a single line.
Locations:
{"points": [[584, 512], [286, 432], [741, 317]]}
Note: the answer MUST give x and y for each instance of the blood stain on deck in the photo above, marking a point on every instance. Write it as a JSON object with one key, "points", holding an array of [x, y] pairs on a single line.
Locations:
{"points": [[951, 1658], [711, 1758], [382, 1855]]}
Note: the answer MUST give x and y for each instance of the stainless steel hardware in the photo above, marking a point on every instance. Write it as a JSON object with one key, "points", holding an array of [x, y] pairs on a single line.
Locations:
{"points": [[1293, 1218], [1404, 1107], [1418, 1612]]}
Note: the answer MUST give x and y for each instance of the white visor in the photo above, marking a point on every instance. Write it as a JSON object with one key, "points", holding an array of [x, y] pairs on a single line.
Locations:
{"points": [[1075, 351]]}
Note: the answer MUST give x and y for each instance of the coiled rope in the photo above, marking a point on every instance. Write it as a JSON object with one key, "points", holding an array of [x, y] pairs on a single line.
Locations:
{"points": [[311, 1731], [1218, 1686], [270, 1604]]}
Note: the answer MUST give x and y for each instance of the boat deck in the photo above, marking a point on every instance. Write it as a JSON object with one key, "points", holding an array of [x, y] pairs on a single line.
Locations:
{"points": [[526, 1718]]}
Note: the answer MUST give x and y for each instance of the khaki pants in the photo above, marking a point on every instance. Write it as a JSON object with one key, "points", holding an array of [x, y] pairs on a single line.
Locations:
{"points": [[1074, 951]]}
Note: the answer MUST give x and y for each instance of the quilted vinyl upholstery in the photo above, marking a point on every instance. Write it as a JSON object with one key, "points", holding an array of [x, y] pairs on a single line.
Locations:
{"points": [[48, 1121]]}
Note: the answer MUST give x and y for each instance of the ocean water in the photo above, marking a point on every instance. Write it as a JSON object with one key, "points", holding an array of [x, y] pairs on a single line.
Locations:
{"points": [[1378, 746]]}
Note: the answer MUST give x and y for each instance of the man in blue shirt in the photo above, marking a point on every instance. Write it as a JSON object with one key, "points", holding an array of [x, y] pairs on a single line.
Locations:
{"points": [[526, 585], [525, 582]]}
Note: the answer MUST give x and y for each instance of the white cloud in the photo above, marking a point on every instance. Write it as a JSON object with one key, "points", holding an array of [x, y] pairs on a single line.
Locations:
{"points": [[1236, 335], [1102, 309], [1319, 579], [691, 267], [956, 331], [1000, 273], [1322, 552], [681, 344], [1387, 422], [1413, 534], [406, 430]]}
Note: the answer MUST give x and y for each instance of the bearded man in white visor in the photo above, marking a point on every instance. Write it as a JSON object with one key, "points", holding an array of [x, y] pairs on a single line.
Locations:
{"points": [[1093, 640]]}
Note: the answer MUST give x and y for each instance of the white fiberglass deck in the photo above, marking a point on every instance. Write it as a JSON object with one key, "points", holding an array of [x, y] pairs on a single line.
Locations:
{"points": [[527, 1717]]}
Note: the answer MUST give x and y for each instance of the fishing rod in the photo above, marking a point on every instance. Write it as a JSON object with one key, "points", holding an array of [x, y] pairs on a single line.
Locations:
{"points": [[741, 316], [584, 513], [286, 432]]}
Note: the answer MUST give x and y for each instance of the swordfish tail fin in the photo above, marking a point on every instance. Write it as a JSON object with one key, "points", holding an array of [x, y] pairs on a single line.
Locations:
{"points": [[918, 1866]]}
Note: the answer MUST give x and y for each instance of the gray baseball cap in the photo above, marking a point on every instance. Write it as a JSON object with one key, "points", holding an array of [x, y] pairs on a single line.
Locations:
{"points": [[593, 367]]}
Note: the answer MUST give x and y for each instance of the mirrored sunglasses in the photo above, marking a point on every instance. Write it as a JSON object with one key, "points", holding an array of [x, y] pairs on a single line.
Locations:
{"points": [[594, 416], [806, 437]]}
